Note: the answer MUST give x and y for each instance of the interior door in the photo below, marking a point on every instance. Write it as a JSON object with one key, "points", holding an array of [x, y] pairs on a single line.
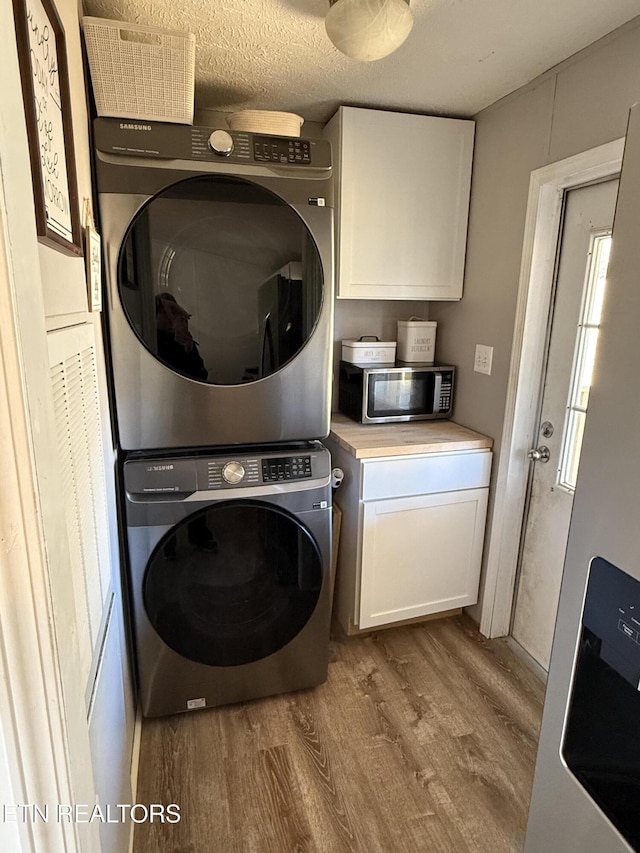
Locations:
{"points": [[577, 307]]}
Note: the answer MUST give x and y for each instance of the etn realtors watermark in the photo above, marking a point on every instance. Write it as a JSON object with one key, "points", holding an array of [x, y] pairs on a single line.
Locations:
{"points": [[83, 813]]}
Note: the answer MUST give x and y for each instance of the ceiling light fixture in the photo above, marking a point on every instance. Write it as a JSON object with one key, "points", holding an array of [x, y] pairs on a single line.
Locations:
{"points": [[368, 29]]}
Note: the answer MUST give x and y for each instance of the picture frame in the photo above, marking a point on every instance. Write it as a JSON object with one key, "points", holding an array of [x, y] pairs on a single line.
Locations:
{"points": [[93, 263], [42, 56]]}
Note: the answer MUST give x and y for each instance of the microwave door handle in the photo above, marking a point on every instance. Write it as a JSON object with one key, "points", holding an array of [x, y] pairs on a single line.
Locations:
{"points": [[437, 391]]}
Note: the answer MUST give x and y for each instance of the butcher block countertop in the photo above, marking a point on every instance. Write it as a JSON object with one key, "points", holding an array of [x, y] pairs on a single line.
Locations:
{"points": [[401, 439]]}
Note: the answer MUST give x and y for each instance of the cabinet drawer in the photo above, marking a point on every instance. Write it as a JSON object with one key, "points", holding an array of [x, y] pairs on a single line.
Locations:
{"points": [[426, 474]]}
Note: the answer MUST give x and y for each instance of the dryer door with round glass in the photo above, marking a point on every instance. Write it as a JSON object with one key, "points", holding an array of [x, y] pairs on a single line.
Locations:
{"points": [[233, 583], [220, 280]]}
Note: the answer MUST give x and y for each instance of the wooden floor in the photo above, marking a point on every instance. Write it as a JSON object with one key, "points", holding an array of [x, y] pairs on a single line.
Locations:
{"points": [[423, 738]]}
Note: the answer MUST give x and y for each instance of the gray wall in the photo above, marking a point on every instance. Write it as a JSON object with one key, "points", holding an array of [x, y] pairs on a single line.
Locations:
{"points": [[578, 105]]}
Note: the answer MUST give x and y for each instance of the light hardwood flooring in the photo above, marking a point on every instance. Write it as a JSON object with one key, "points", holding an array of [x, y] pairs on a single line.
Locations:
{"points": [[423, 738]]}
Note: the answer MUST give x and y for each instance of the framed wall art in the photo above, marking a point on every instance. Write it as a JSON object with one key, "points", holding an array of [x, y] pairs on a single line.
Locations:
{"points": [[42, 55], [92, 260]]}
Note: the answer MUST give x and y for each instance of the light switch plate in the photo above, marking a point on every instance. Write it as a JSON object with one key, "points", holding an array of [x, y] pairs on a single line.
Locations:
{"points": [[483, 359]]}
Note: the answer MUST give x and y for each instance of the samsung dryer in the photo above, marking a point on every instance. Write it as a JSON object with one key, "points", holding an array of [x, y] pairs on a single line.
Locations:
{"points": [[219, 277], [229, 573]]}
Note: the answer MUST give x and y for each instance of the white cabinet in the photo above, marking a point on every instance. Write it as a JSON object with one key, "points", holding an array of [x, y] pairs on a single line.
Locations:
{"points": [[412, 535], [402, 203], [420, 555]]}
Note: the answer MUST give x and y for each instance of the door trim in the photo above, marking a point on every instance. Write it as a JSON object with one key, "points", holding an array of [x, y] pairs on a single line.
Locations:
{"points": [[33, 728], [547, 187]]}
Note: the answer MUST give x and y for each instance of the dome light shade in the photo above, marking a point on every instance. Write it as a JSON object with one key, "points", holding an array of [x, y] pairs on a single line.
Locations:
{"points": [[368, 29]]}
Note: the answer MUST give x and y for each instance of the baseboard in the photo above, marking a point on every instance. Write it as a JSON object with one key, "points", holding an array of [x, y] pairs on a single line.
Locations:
{"points": [[526, 659]]}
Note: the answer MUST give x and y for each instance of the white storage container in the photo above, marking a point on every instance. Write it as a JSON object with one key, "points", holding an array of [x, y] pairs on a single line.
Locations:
{"points": [[370, 351], [417, 340], [139, 72]]}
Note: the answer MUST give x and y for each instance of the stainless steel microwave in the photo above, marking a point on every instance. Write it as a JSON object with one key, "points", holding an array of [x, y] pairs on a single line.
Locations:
{"points": [[379, 394]]}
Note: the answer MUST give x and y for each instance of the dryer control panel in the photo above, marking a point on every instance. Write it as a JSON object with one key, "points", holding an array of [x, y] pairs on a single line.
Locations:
{"points": [[182, 142]]}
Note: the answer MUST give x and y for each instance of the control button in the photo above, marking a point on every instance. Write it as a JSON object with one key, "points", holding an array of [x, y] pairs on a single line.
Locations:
{"points": [[286, 468], [221, 142], [626, 629], [233, 472]]}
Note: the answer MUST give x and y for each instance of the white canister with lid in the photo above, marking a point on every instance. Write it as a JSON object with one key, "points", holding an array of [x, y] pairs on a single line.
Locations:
{"points": [[417, 340], [369, 350]]}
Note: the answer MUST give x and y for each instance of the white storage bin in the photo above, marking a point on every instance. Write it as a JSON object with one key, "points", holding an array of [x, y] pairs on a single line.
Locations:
{"points": [[139, 72], [369, 351], [417, 340]]}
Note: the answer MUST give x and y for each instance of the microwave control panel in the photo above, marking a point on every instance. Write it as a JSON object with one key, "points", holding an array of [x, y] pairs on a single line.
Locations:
{"points": [[445, 391]]}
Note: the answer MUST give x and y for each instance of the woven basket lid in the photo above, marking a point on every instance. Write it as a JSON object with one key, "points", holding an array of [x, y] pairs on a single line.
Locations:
{"points": [[266, 121]]}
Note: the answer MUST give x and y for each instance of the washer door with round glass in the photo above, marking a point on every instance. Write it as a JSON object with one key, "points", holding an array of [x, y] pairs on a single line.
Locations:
{"points": [[220, 280], [233, 583]]}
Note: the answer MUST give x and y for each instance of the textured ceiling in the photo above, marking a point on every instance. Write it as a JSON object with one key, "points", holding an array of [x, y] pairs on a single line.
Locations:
{"points": [[461, 56]]}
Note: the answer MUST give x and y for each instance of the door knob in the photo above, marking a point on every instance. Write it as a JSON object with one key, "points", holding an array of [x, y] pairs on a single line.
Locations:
{"points": [[539, 454]]}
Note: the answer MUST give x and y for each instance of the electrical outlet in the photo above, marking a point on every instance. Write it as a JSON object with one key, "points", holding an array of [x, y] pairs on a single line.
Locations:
{"points": [[483, 359]]}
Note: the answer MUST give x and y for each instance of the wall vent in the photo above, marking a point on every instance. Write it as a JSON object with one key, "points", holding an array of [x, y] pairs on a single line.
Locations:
{"points": [[74, 383]]}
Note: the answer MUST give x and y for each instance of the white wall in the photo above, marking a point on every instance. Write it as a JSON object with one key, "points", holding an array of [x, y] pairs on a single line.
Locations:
{"points": [[582, 103]]}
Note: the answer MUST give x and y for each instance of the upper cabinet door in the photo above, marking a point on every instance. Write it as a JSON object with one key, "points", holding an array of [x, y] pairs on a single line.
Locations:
{"points": [[402, 200]]}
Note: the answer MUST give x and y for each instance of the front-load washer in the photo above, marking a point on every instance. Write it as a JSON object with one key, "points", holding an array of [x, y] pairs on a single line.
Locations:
{"points": [[230, 573], [219, 277]]}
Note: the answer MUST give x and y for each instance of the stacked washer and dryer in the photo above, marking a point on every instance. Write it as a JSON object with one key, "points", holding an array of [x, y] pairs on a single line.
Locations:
{"points": [[219, 271]]}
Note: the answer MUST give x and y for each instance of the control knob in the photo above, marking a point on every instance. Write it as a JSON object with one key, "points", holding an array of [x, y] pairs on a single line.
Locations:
{"points": [[233, 472], [221, 142]]}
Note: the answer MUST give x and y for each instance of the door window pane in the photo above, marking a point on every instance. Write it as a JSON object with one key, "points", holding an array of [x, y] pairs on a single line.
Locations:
{"points": [[586, 345], [574, 446]]}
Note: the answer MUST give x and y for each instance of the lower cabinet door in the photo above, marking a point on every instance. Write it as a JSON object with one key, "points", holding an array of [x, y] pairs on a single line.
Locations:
{"points": [[420, 555]]}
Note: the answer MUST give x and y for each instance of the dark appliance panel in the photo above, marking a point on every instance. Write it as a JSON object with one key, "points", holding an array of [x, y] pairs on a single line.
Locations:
{"points": [[602, 734]]}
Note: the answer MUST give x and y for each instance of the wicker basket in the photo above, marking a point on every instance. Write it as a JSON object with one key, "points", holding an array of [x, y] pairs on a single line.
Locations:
{"points": [[266, 121], [140, 72]]}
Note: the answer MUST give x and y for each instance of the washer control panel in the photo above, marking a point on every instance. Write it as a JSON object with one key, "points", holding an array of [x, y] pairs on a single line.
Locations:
{"points": [[155, 477], [286, 468], [252, 472]]}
